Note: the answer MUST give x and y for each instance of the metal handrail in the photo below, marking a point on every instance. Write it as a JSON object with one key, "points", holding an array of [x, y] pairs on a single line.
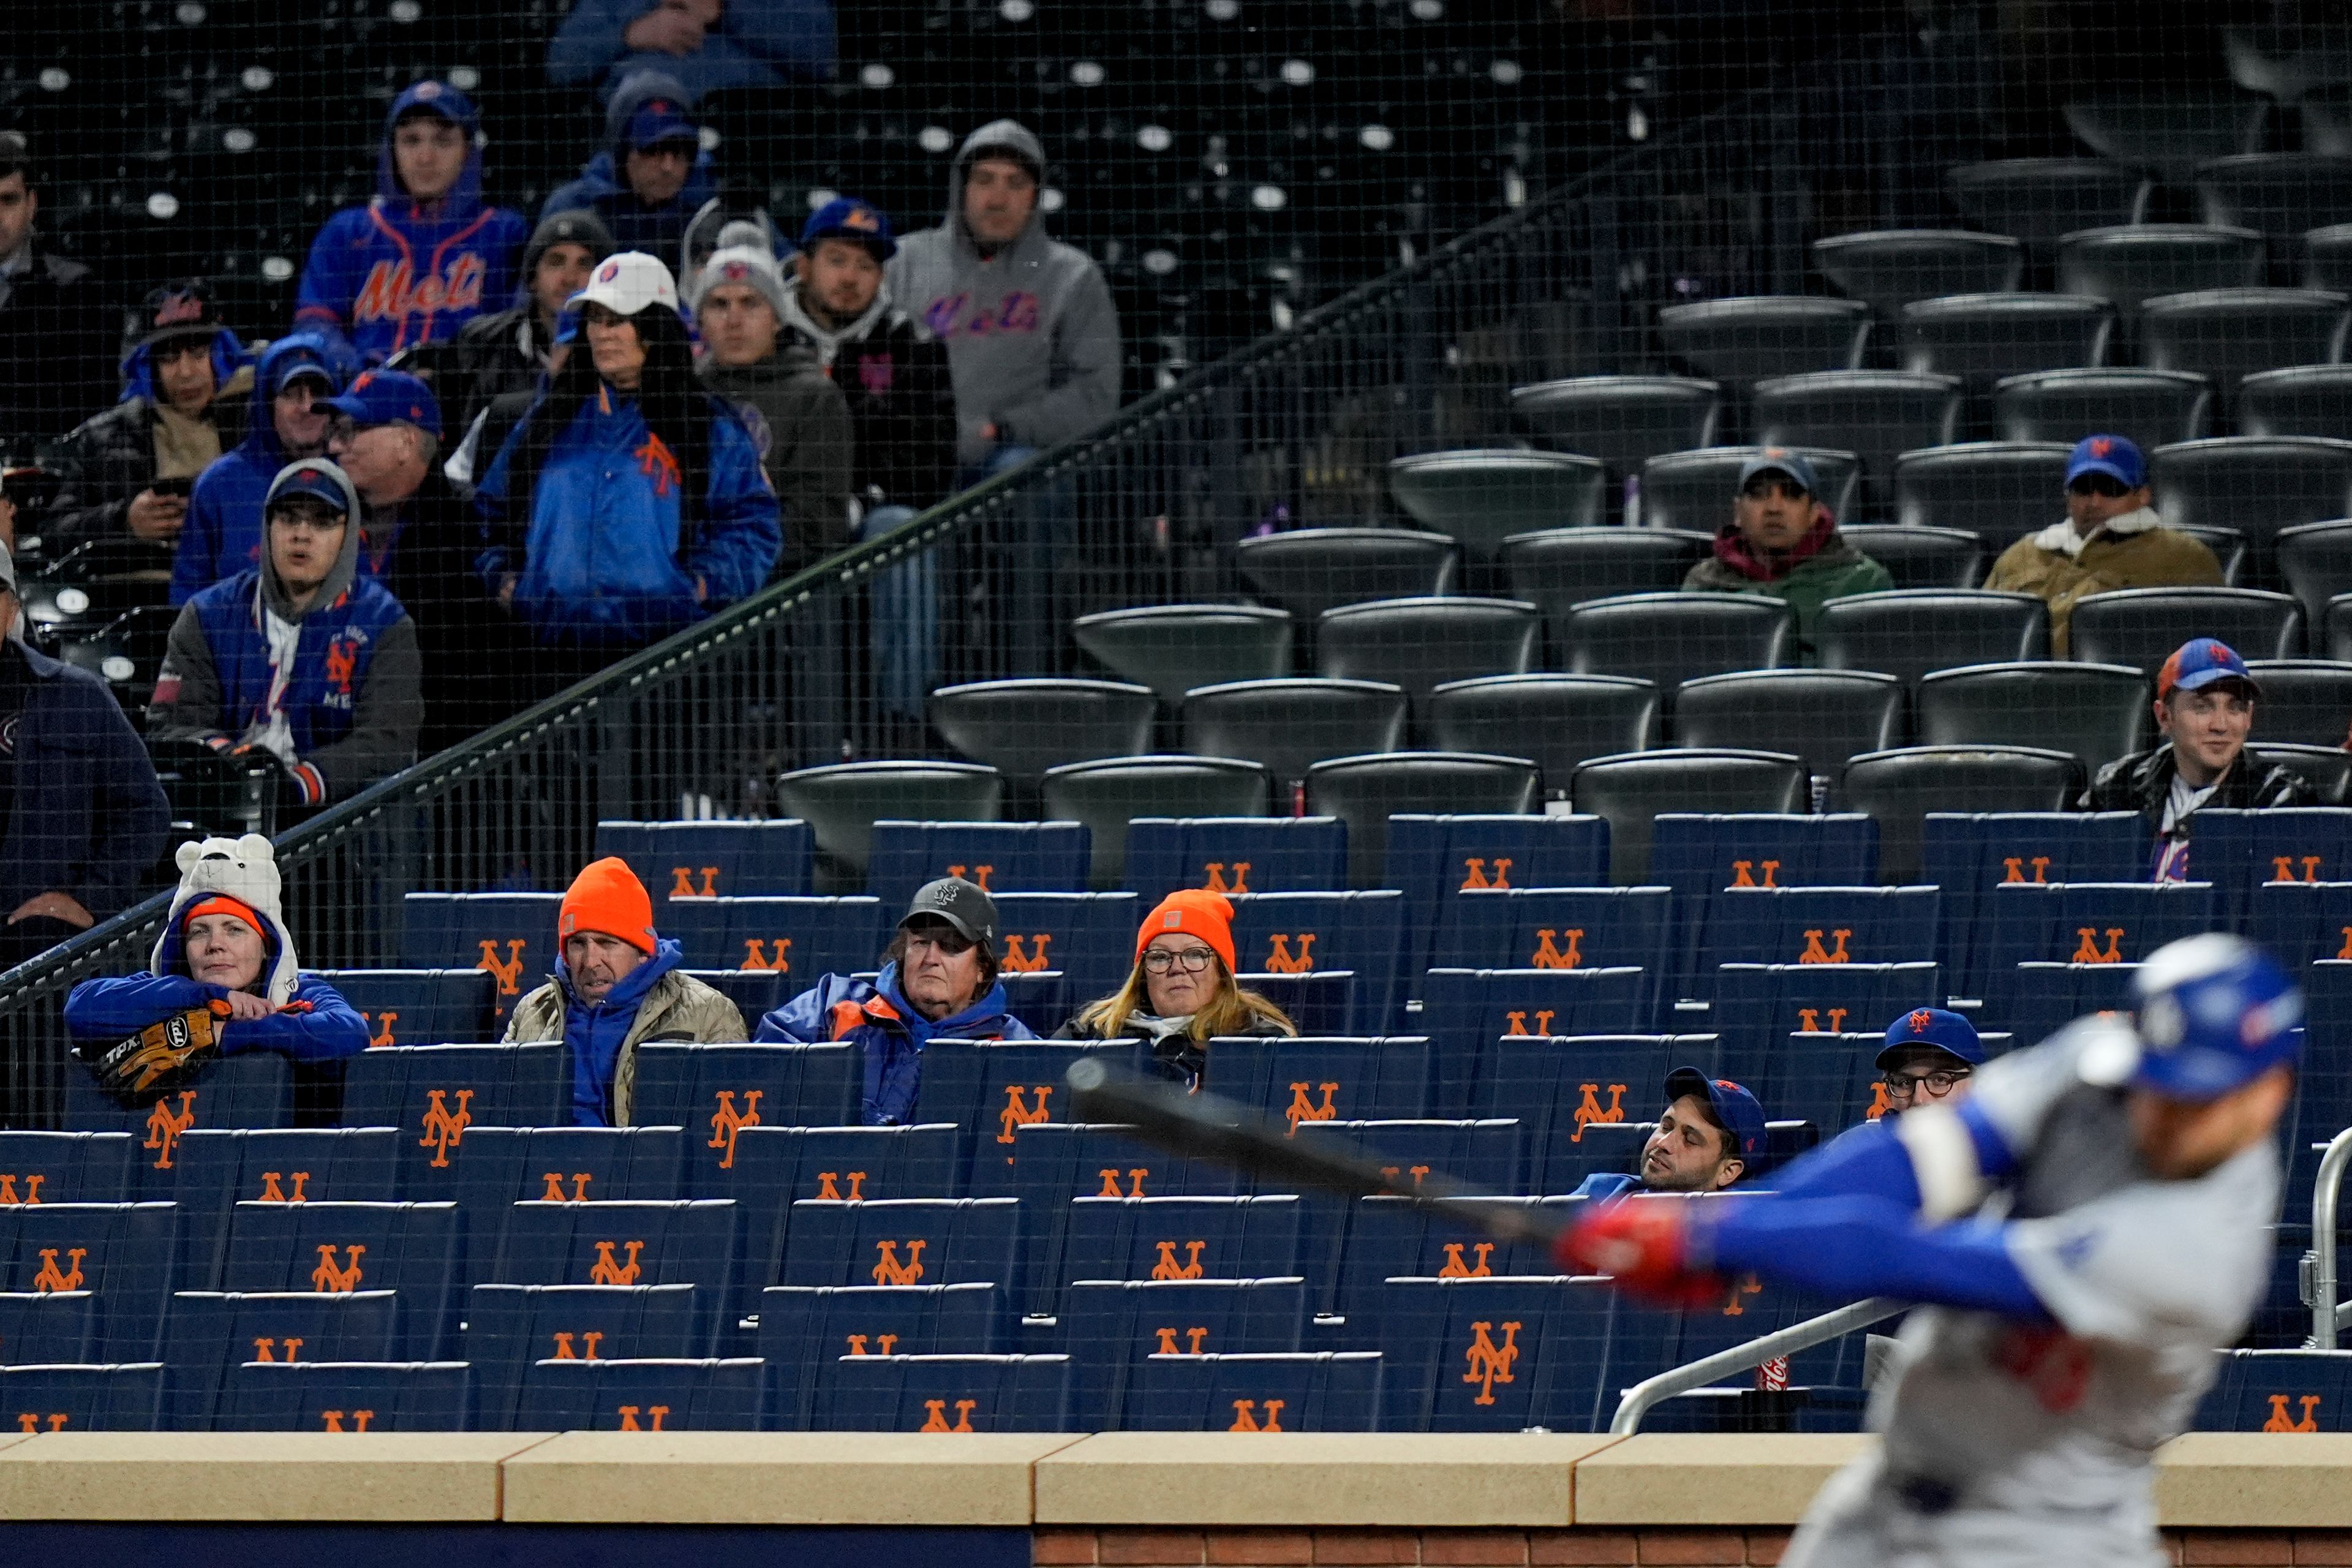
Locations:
{"points": [[2328, 1314], [1643, 1397]]}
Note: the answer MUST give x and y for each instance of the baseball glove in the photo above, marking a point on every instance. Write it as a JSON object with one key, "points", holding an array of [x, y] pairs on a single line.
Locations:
{"points": [[159, 1058]]}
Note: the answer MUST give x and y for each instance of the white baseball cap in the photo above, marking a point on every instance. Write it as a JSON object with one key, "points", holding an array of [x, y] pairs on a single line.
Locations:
{"points": [[626, 282]]}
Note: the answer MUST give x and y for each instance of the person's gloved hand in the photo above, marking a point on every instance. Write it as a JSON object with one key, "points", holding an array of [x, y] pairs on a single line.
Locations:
{"points": [[298, 784], [1645, 1245]]}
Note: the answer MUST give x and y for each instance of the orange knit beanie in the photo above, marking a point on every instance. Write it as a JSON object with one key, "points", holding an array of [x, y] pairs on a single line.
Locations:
{"points": [[1195, 911], [607, 897]]}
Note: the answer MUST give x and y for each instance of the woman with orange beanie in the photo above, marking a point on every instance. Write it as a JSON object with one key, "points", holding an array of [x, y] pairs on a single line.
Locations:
{"points": [[1181, 994]]}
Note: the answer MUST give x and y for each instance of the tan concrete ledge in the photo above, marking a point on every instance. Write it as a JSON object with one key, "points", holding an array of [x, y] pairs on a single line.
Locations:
{"points": [[1702, 1477], [1313, 1478], [778, 1478], [2255, 1481], [370, 1476]]}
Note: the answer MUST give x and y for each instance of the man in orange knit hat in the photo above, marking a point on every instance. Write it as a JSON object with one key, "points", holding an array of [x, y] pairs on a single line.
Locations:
{"points": [[616, 985]]}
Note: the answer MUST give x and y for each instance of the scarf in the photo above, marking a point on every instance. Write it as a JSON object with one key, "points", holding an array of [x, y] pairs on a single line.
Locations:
{"points": [[1732, 549]]}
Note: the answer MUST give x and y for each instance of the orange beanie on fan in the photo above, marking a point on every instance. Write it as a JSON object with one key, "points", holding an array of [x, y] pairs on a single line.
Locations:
{"points": [[607, 897], [1195, 911]]}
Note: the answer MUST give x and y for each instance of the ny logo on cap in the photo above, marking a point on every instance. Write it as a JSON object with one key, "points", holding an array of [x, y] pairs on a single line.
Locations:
{"points": [[428, 90], [661, 106], [1920, 1020], [607, 273], [734, 271], [2101, 446], [176, 308], [862, 219]]}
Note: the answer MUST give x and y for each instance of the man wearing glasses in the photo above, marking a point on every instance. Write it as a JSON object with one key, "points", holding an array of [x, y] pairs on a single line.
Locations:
{"points": [[937, 982], [1782, 544], [2110, 538], [1929, 1054]]}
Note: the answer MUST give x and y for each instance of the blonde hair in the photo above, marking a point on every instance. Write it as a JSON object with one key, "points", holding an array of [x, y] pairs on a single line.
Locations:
{"points": [[1229, 1011]]}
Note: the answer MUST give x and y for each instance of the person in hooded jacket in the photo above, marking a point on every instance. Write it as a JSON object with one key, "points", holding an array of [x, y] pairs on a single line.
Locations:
{"points": [[185, 383], [508, 352], [1782, 544], [224, 951], [628, 502], [712, 45], [286, 418], [618, 985], [1181, 993], [653, 175], [937, 982], [300, 658], [426, 254]]}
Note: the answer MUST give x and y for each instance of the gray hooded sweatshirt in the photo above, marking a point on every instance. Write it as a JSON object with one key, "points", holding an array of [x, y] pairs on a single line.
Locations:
{"points": [[388, 708], [1031, 332]]}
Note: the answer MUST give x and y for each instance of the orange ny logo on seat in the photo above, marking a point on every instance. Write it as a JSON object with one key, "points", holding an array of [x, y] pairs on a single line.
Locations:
{"points": [[1518, 1022], [1490, 1363], [2283, 867], [164, 1126], [1302, 1108], [1835, 954], [1456, 1268], [654, 1414], [443, 1130], [1808, 1020], [976, 875], [725, 1122], [509, 973], [384, 1021], [555, 1192], [681, 882], [49, 1280], [2346, 950], [1017, 1112], [1169, 1268], [1280, 960], [829, 1185], [888, 1270], [884, 1343], [32, 1187], [1135, 1175], [1032, 960], [1736, 1304], [330, 1278], [1743, 874], [332, 1421], [272, 1192], [1473, 873], [1589, 1110], [2281, 1421], [757, 959], [1415, 1172], [1547, 956], [936, 1418], [1879, 1104], [30, 1421], [588, 1342], [2014, 867], [1216, 874], [1198, 1337], [606, 1271], [2087, 950], [1245, 1420], [262, 1347]]}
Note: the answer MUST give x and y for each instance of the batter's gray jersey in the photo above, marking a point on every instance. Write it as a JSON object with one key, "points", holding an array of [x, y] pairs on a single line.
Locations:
{"points": [[2040, 1435]]}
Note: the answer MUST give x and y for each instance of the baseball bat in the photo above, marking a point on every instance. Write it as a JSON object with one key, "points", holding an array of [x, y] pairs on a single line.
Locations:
{"points": [[1203, 1126]]}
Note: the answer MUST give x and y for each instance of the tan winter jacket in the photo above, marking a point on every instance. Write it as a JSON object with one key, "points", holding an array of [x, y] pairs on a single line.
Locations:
{"points": [[2120, 555], [679, 1009]]}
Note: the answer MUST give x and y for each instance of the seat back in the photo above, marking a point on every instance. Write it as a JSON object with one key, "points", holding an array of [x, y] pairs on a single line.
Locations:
{"points": [[1417, 644], [511, 935], [2255, 486], [333, 1248], [1555, 722], [1823, 717], [1740, 342], [1465, 1011], [1624, 420], [1918, 557], [1900, 787], [640, 1395], [2227, 334], [252, 1090], [1888, 268], [1365, 792], [805, 1330], [1111, 1326], [1173, 648], [1310, 570], [1630, 790], [712, 859], [1301, 1391], [1692, 491], [2284, 196], [2296, 400], [1288, 725], [841, 802], [1001, 857], [419, 1006], [1969, 854], [1981, 338], [1877, 415], [1907, 634], [945, 1394], [1105, 795], [1562, 568], [1483, 498], [1993, 490], [2125, 264], [1669, 639], [1020, 727], [510, 1327], [2304, 702], [797, 936], [2149, 407], [68, 1168], [2139, 628], [2040, 199], [714, 1092], [2096, 712]]}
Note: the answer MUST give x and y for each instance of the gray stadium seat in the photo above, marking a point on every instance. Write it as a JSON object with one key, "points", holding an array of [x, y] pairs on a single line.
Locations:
{"points": [[842, 801], [1888, 268], [2126, 264], [2282, 195], [1899, 787], [1020, 727], [1106, 794], [2227, 334], [2327, 770], [1694, 489], [2299, 400], [1919, 557], [2230, 548], [1907, 634], [1557, 721], [2335, 640], [1668, 638], [1739, 342], [1982, 338], [2304, 702], [1418, 644], [1563, 567], [1624, 420], [2315, 559], [2256, 486], [1289, 725], [1365, 792], [1483, 498], [1173, 648], [2166, 130], [2096, 711], [2040, 199], [2149, 407], [2140, 628], [1824, 716], [1877, 415], [1309, 570], [2327, 258], [1628, 791], [1994, 490]]}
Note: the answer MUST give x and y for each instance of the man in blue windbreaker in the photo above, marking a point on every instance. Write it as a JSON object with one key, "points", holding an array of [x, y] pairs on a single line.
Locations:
{"points": [[938, 982], [426, 255]]}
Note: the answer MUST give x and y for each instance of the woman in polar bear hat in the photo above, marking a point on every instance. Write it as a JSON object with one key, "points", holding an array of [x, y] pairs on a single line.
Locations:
{"points": [[224, 979]]}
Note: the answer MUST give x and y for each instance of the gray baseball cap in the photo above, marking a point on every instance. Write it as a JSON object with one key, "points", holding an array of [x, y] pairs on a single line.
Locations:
{"points": [[964, 905]]}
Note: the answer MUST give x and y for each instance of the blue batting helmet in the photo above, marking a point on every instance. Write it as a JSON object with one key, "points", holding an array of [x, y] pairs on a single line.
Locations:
{"points": [[2214, 1012]]}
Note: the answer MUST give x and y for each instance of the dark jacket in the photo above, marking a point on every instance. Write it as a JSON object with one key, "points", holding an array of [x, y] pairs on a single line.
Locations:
{"points": [[2143, 782], [422, 551], [801, 426], [113, 459], [879, 1020], [57, 346], [492, 356], [603, 189], [1178, 1057], [89, 816], [902, 407], [318, 1026]]}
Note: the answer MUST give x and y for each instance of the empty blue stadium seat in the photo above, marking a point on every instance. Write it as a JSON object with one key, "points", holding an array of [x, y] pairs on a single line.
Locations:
{"points": [[1821, 926], [715, 1091], [1432, 857], [433, 1093], [493, 1168], [1969, 854], [756, 993], [1307, 933], [903, 1241], [1559, 1089], [1110, 1326], [2298, 922], [511, 935], [1050, 1162], [1323, 1003], [1302, 1391], [2034, 1001], [946, 1394], [68, 1167], [805, 1330], [206, 1332], [2280, 1391], [109, 1398], [640, 1395], [125, 1254], [988, 1088], [1700, 854], [509, 1327], [1088, 936], [688, 859], [1180, 1238], [1391, 1238], [346, 1397], [685, 1242], [38, 1327], [2322, 1092], [1555, 928], [1488, 1154], [1496, 1354], [1040, 999], [214, 1169], [1464, 1011], [421, 1006], [1325, 1080], [1758, 1003], [2240, 852], [412, 1248], [2088, 922], [1235, 855], [796, 936], [1001, 857], [253, 1090]]}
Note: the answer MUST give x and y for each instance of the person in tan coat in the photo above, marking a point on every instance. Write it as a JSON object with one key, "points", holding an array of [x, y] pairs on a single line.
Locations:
{"points": [[616, 985], [2111, 538]]}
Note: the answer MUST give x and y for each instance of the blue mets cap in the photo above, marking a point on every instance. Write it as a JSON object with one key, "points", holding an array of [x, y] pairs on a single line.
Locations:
{"points": [[313, 477], [1736, 1110], [1780, 460], [846, 217], [2110, 455], [660, 120], [2199, 663], [1935, 1026], [389, 397], [2214, 1013]]}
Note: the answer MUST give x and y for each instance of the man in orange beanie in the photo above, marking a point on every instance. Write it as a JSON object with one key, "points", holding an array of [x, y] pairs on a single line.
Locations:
{"points": [[616, 985]]}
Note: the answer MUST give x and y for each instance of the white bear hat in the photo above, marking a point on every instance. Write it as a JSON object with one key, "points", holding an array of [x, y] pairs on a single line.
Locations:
{"points": [[244, 869]]}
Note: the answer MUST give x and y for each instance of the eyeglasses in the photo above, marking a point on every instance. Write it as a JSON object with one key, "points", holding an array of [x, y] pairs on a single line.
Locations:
{"points": [[1190, 960], [1764, 486], [2106, 485], [1938, 1083]]}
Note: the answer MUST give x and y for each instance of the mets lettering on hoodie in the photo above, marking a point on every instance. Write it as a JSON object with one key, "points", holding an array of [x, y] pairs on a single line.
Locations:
{"points": [[393, 292], [950, 316]]}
